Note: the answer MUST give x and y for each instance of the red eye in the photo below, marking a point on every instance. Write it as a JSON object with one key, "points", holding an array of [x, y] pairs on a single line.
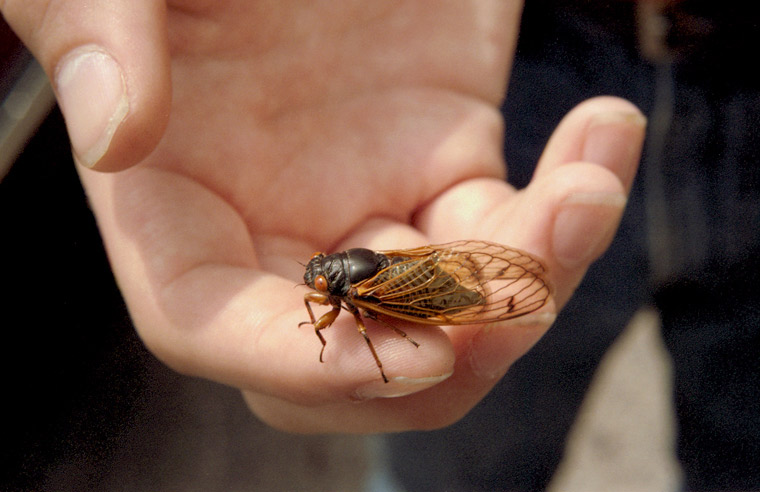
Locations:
{"points": [[316, 255], [320, 283]]}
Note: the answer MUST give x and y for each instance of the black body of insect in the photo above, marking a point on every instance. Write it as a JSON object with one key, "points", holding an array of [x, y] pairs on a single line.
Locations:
{"points": [[458, 283]]}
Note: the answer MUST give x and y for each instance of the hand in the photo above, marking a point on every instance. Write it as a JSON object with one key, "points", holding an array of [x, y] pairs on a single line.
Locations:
{"points": [[297, 127]]}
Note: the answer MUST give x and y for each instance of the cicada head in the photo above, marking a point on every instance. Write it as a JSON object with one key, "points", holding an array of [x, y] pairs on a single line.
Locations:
{"points": [[313, 269], [327, 274]]}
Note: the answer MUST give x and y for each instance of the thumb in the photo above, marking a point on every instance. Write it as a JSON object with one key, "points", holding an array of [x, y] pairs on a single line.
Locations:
{"points": [[109, 66]]}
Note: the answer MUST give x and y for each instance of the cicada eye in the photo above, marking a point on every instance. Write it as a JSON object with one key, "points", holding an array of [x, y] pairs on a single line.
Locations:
{"points": [[317, 255], [320, 283]]}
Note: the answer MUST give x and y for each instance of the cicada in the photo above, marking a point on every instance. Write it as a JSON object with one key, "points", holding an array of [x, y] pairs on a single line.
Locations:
{"points": [[458, 283]]}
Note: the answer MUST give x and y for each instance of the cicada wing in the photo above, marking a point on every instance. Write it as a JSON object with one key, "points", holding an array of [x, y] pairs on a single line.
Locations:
{"points": [[457, 283]]}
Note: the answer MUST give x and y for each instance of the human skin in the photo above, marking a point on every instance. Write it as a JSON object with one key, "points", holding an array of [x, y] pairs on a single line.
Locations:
{"points": [[245, 135]]}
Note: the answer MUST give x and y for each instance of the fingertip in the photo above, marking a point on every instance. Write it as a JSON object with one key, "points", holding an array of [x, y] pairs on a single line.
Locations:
{"points": [[614, 139], [116, 112], [399, 386], [409, 368], [584, 226], [110, 68], [607, 131], [92, 93], [121, 89]]}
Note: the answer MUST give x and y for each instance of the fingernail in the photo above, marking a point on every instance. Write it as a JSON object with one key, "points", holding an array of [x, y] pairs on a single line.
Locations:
{"points": [[93, 98], [397, 387], [603, 145], [585, 224]]}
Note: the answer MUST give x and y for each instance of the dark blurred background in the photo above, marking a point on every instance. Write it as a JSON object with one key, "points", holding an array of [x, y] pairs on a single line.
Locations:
{"points": [[90, 409]]}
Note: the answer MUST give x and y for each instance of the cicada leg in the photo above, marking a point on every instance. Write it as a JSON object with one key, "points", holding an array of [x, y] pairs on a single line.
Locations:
{"points": [[325, 320], [363, 330], [398, 331]]}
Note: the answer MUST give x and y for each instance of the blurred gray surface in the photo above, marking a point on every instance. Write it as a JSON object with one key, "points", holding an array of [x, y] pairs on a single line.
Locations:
{"points": [[624, 436]]}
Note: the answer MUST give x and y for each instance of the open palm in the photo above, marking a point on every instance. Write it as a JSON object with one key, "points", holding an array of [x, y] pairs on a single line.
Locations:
{"points": [[297, 127]]}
